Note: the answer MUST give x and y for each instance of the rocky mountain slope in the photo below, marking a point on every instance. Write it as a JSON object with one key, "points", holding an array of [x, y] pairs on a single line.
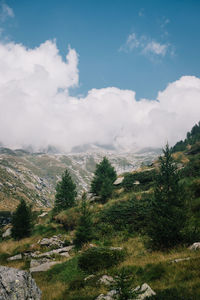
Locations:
{"points": [[33, 176]]}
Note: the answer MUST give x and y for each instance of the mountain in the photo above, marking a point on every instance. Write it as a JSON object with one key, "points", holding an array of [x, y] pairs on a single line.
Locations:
{"points": [[33, 176]]}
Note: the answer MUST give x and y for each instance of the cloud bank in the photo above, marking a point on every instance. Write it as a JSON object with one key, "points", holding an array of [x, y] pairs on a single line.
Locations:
{"points": [[36, 107]]}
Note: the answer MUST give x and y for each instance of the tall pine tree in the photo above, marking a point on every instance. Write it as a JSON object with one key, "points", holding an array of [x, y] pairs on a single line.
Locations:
{"points": [[65, 193], [22, 221], [84, 232], [104, 177], [167, 207]]}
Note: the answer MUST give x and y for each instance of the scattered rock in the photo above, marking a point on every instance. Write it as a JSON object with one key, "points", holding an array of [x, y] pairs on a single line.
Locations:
{"points": [[195, 246], [64, 251], [7, 233], [145, 291], [38, 262], [108, 296], [116, 248], [180, 259], [89, 277], [44, 267], [17, 285], [106, 280], [50, 242], [15, 257], [118, 180], [43, 215]]}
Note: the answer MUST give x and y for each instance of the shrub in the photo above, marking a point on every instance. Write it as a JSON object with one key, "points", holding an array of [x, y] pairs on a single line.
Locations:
{"points": [[129, 214], [172, 294], [99, 258], [68, 218]]}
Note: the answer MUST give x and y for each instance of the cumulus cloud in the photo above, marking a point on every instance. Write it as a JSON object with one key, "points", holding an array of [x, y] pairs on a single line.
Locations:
{"points": [[36, 107]]}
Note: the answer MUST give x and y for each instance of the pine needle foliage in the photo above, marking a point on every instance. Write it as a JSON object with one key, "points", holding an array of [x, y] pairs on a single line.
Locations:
{"points": [[22, 224], [84, 232], [104, 177], [167, 213], [65, 193]]}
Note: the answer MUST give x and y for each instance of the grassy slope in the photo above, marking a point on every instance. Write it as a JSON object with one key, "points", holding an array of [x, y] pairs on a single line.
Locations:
{"points": [[154, 267]]}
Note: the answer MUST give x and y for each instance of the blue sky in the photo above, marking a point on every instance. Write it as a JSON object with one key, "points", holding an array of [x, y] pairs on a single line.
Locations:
{"points": [[99, 32]]}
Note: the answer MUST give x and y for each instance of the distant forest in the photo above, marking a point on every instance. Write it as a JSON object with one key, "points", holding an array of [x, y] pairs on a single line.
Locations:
{"points": [[192, 138]]}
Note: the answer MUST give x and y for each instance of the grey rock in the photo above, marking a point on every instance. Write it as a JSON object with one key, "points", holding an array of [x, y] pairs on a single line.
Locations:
{"points": [[89, 277], [180, 259], [62, 251], [145, 291], [106, 280], [118, 180], [7, 233], [15, 257], [43, 214], [108, 296], [17, 285], [38, 262], [44, 267], [195, 246], [53, 241]]}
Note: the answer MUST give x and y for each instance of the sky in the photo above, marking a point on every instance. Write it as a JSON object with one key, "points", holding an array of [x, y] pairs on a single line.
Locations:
{"points": [[120, 72]]}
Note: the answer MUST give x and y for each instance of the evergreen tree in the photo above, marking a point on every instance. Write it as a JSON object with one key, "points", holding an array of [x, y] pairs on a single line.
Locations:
{"points": [[84, 232], [22, 221], [65, 193], [104, 177], [167, 207]]}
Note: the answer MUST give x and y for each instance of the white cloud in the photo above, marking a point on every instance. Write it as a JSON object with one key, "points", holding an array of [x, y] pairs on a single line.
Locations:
{"points": [[36, 108], [5, 11], [156, 48], [145, 45]]}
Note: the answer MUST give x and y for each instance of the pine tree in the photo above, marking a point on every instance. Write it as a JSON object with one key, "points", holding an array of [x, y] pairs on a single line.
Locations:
{"points": [[65, 193], [22, 221], [104, 177], [84, 232], [167, 207]]}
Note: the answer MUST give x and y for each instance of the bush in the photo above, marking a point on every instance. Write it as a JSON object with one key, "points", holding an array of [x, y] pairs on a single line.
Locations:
{"points": [[129, 215], [68, 218], [95, 259], [172, 294]]}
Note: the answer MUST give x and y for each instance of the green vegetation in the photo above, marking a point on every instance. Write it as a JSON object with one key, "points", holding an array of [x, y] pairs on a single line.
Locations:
{"points": [[99, 258], [22, 221], [104, 177], [84, 232], [65, 193], [167, 213], [139, 233], [193, 137]]}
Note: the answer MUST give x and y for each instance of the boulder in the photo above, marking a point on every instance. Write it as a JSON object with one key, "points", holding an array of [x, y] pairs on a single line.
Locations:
{"points": [[17, 285], [109, 296], [54, 241], [177, 260], [195, 246], [15, 257], [106, 280], [145, 291], [43, 215], [7, 233], [89, 277], [43, 267], [61, 251]]}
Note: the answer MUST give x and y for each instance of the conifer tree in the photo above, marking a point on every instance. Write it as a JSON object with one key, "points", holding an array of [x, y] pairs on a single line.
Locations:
{"points": [[65, 193], [22, 221], [104, 177], [167, 207], [84, 232]]}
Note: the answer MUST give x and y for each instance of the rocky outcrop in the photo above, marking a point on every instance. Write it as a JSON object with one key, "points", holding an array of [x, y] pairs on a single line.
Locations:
{"points": [[144, 292], [43, 267], [195, 246], [17, 285], [15, 257], [106, 280], [7, 233], [54, 241]]}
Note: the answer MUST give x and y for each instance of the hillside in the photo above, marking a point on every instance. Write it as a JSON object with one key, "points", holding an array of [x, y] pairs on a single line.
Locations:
{"points": [[120, 225], [33, 176]]}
